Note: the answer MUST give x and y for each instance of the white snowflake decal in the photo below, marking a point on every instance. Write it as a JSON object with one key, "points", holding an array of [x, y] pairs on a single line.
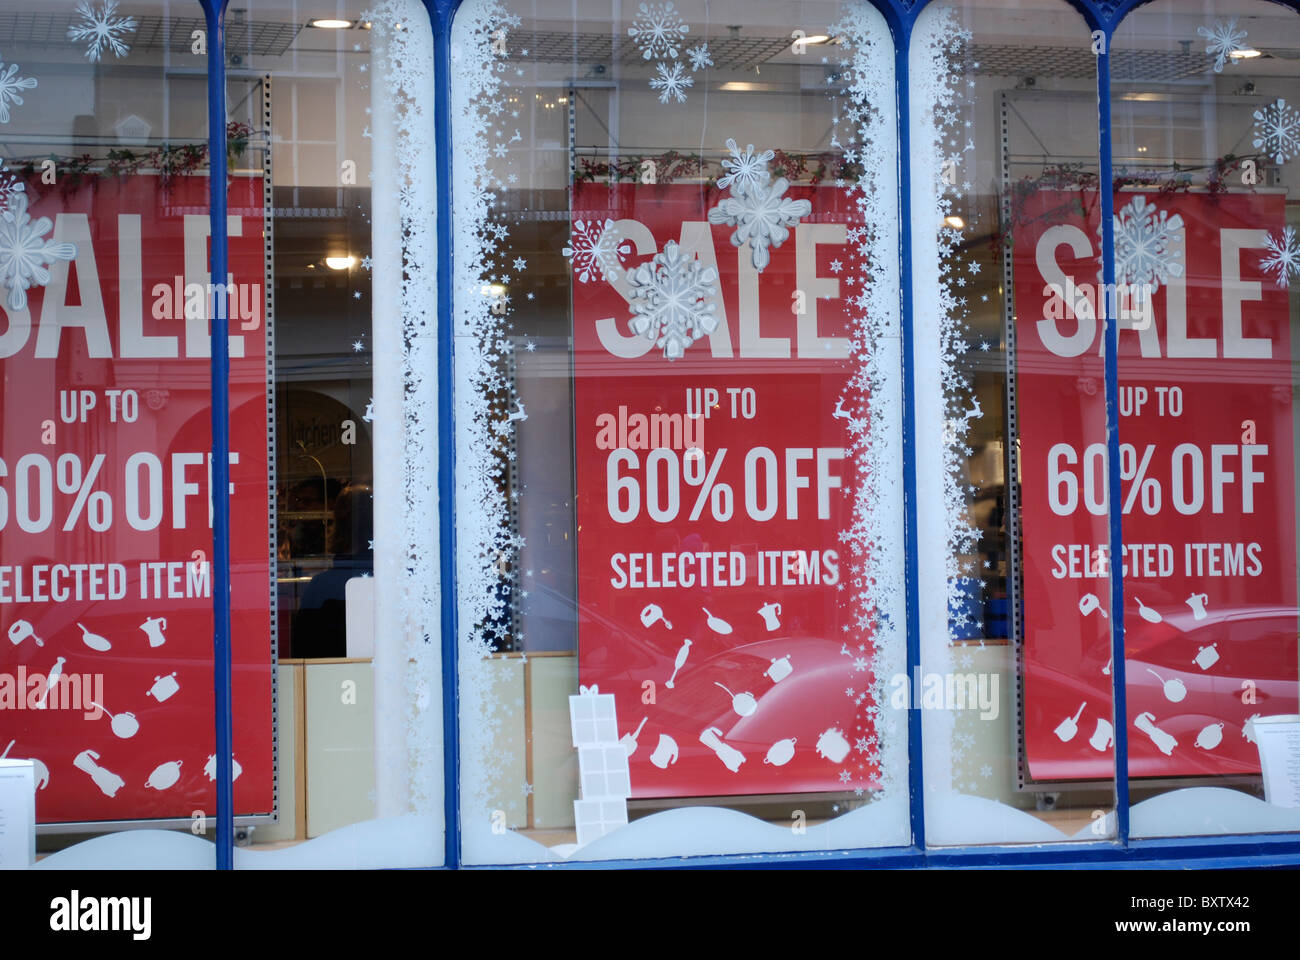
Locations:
{"points": [[595, 250], [99, 26], [1277, 130], [1283, 259], [745, 170], [24, 251], [672, 300], [9, 185], [699, 57], [1225, 40], [672, 82], [763, 216], [10, 85], [658, 30], [1145, 238]]}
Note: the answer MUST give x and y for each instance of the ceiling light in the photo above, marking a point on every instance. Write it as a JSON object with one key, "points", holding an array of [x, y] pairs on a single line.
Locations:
{"points": [[954, 221], [1247, 54], [329, 23], [340, 263], [820, 38]]}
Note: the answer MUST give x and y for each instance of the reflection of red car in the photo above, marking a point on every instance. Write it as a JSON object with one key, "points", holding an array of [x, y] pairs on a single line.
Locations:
{"points": [[1203, 709], [725, 705]]}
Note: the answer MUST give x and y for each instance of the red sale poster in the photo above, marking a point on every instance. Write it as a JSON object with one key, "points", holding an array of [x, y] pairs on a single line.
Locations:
{"points": [[713, 480], [105, 509], [1208, 494]]}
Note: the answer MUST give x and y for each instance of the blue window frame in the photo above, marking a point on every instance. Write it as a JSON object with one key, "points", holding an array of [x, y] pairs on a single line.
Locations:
{"points": [[1103, 17]]}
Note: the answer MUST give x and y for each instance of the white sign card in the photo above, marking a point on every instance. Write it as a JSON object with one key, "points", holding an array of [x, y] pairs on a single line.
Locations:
{"points": [[1278, 739], [17, 814]]}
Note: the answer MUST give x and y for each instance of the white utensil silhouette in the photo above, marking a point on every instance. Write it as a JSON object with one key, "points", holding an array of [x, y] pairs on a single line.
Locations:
{"points": [[682, 654], [20, 630], [832, 746], [652, 612], [1067, 728], [51, 681], [743, 703], [107, 781], [42, 771], [1146, 613], [1173, 689], [94, 640], [124, 725], [629, 739], [1089, 602], [1146, 722], [779, 753], [716, 624], [729, 755]]}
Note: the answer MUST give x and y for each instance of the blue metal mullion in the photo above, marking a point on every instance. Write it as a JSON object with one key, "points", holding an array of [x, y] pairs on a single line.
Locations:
{"points": [[441, 13], [1119, 696], [214, 15], [902, 32]]}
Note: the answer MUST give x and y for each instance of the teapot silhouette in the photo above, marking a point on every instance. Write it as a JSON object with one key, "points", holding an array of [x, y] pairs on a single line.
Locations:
{"points": [[153, 628], [769, 612]]}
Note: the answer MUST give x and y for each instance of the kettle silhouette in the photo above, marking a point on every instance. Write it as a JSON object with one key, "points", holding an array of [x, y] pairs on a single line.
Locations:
{"points": [[769, 612], [153, 628]]}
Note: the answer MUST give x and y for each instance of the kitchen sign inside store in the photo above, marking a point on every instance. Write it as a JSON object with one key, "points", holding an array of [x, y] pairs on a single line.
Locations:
{"points": [[105, 500], [1208, 492], [710, 381]]}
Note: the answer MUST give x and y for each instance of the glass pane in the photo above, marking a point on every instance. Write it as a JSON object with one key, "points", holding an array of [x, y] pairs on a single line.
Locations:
{"points": [[105, 530], [1205, 211], [1015, 688], [678, 451], [334, 105]]}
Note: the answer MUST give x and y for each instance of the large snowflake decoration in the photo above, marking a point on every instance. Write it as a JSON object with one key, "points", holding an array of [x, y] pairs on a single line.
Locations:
{"points": [[10, 85], [24, 251], [658, 30], [672, 82], [672, 300], [595, 250], [745, 170], [1277, 130], [1225, 40], [99, 26], [1148, 244], [1283, 260], [762, 215], [699, 57]]}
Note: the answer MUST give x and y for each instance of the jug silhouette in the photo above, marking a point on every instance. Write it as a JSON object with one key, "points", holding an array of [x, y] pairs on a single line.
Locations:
{"points": [[153, 628], [1103, 736], [1197, 602], [769, 612], [665, 753]]}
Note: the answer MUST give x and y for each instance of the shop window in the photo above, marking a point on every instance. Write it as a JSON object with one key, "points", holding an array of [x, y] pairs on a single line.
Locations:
{"points": [[1205, 138], [106, 682], [679, 503], [1005, 148], [350, 204]]}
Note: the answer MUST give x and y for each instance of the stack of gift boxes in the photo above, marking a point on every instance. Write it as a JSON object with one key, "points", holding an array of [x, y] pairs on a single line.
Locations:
{"points": [[603, 780]]}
